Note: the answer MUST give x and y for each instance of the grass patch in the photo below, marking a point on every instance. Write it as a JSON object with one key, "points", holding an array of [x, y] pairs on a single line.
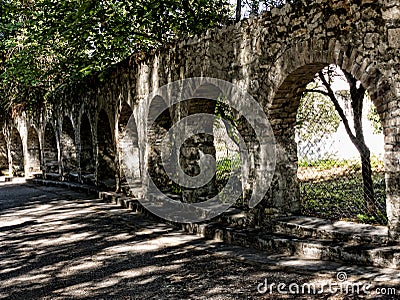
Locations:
{"points": [[324, 164], [333, 189], [342, 199]]}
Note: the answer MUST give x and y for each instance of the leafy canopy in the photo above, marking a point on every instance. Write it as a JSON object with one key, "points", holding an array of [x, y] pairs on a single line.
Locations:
{"points": [[45, 43], [316, 116]]}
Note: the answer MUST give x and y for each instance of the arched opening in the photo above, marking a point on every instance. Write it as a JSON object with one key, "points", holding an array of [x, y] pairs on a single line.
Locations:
{"points": [[50, 153], [17, 154], [105, 152], [68, 150], [197, 145], [156, 131], [4, 167], [87, 162], [340, 150], [33, 152], [200, 135], [128, 145], [296, 158]]}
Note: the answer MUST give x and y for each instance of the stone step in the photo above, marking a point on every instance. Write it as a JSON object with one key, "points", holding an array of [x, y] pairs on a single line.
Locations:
{"points": [[126, 202], [306, 248], [354, 248], [89, 189], [52, 176], [37, 175], [322, 229]]}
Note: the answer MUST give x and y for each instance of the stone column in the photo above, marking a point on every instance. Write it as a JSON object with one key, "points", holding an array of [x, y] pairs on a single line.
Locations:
{"points": [[392, 170], [391, 15]]}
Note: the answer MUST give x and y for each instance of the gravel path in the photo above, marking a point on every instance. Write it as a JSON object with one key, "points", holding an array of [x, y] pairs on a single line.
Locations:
{"points": [[59, 244]]}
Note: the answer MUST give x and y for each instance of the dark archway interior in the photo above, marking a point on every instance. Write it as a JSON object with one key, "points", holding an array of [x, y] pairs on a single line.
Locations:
{"points": [[155, 133], [3, 155], [33, 151], [17, 154], [68, 150], [87, 162], [189, 153], [50, 152], [106, 170], [202, 101], [188, 157]]}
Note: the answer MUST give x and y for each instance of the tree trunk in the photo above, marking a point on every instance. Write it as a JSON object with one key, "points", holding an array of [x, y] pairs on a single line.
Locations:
{"points": [[356, 97], [368, 186], [238, 10]]}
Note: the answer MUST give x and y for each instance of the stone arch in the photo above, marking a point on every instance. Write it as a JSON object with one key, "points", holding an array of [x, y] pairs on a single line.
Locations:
{"points": [[34, 161], [106, 170], [17, 153], [289, 76], [198, 102], [87, 161], [158, 104], [50, 152], [68, 150], [4, 166], [298, 65]]}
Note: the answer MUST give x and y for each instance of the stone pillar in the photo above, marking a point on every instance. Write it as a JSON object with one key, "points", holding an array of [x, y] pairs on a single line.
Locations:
{"points": [[391, 15], [392, 166]]}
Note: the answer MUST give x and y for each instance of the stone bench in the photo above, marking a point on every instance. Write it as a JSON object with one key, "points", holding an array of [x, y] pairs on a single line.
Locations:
{"points": [[73, 176], [37, 175], [52, 176]]}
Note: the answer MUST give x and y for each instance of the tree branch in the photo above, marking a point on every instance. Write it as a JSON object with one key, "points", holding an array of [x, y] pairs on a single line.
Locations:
{"points": [[340, 111], [317, 91]]}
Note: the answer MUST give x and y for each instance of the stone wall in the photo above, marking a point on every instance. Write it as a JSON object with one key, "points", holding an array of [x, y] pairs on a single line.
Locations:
{"points": [[272, 57]]}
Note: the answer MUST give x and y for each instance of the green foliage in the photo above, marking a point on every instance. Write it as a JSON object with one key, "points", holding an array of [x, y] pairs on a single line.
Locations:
{"points": [[333, 189], [253, 7], [45, 44], [316, 116], [328, 163], [366, 219], [227, 165], [377, 164], [176, 189], [373, 117]]}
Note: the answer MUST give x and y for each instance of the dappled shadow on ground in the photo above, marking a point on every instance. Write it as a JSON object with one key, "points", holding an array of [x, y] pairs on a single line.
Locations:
{"points": [[57, 244]]}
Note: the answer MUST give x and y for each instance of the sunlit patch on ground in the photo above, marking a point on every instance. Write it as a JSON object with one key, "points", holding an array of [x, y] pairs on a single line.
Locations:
{"points": [[58, 244]]}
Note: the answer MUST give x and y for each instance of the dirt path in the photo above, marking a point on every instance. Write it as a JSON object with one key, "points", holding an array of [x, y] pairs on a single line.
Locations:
{"points": [[58, 244]]}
